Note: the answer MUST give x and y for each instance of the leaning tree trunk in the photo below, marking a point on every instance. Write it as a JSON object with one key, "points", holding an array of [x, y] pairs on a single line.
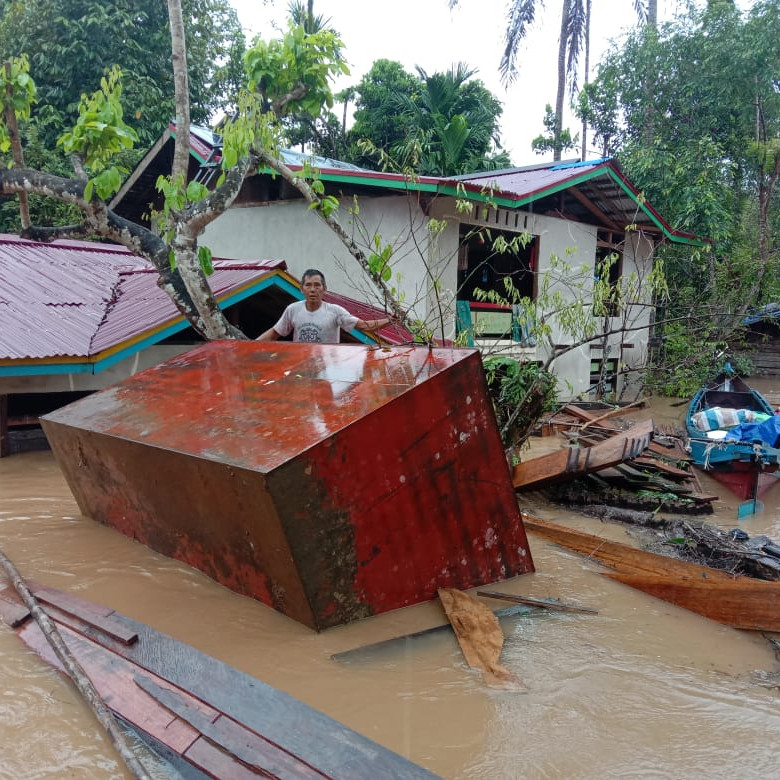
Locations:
{"points": [[16, 146], [183, 244]]}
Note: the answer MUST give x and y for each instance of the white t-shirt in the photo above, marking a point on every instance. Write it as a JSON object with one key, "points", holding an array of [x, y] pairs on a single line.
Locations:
{"points": [[320, 326]]}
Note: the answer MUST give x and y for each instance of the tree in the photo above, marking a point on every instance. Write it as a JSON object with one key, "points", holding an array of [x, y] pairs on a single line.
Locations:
{"points": [[704, 151], [282, 76], [452, 125], [574, 35], [71, 43], [376, 118]]}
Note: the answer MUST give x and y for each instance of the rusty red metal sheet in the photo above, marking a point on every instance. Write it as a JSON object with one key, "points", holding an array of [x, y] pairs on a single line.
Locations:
{"points": [[331, 482]]}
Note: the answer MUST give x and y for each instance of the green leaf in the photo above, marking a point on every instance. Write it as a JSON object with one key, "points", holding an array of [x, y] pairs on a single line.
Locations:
{"points": [[205, 259]]}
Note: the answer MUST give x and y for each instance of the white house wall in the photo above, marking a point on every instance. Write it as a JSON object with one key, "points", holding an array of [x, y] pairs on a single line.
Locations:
{"points": [[289, 231]]}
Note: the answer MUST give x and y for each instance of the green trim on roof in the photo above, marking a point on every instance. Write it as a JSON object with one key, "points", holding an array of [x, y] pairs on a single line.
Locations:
{"points": [[512, 203]]}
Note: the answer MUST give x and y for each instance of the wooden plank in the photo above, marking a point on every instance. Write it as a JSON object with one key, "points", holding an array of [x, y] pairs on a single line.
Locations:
{"points": [[658, 465], [616, 554], [250, 748], [543, 603], [12, 612], [479, 635], [101, 618], [740, 602], [572, 462], [216, 763], [400, 641], [113, 677]]}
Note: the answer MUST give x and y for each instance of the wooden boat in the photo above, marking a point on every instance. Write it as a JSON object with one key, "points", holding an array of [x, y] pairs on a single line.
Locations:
{"points": [[732, 435], [332, 482], [206, 718], [740, 602]]}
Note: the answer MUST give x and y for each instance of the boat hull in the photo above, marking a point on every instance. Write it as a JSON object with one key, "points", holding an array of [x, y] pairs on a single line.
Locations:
{"points": [[331, 482], [740, 602], [208, 719], [746, 468]]}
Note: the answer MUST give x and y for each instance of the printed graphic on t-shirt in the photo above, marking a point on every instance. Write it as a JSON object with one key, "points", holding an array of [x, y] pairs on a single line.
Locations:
{"points": [[309, 333]]}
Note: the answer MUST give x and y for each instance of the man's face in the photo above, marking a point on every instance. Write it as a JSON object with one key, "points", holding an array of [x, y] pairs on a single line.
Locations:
{"points": [[313, 289]]}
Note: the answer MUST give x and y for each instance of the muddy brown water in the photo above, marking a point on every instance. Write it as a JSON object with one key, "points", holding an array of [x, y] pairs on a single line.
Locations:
{"points": [[642, 690]]}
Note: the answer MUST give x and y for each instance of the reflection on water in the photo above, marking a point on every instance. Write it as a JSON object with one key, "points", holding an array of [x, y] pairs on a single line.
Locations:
{"points": [[642, 689]]}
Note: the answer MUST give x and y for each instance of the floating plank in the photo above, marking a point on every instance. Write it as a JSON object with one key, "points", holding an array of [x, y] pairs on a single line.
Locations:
{"points": [[479, 635], [572, 462], [741, 602], [101, 618], [215, 693], [252, 749], [616, 554], [396, 641], [552, 604]]}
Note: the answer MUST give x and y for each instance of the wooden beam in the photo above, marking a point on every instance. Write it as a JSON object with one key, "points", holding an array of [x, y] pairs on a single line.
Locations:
{"points": [[593, 209], [572, 462]]}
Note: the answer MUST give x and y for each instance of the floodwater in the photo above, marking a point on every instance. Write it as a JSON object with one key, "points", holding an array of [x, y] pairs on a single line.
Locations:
{"points": [[640, 690]]}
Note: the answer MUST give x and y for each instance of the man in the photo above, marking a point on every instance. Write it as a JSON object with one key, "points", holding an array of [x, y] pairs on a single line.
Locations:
{"points": [[313, 319]]}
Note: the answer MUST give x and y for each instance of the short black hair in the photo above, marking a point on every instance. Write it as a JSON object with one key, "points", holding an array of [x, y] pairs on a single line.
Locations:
{"points": [[312, 272]]}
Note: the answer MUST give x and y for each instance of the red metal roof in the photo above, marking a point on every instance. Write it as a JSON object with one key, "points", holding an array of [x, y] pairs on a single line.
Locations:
{"points": [[77, 299], [392, 334]]}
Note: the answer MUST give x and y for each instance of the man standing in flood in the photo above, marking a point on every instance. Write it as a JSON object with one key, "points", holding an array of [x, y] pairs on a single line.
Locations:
{"points": [[314, 320]]}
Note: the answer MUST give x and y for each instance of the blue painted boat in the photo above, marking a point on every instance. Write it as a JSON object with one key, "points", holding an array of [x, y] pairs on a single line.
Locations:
{"points": [[733, 433]]}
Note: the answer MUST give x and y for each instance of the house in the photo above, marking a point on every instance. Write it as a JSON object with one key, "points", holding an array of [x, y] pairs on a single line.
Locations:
{"points": [[558, 220], [76, 316]]}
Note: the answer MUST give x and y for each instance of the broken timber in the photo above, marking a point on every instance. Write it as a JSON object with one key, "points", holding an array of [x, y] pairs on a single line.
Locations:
{"points": [[572, 462], [479, 635], [740, 602]]}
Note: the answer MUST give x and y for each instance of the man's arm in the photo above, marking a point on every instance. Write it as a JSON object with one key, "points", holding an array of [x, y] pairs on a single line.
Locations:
{"points": [[373, 324], [269, 335]]}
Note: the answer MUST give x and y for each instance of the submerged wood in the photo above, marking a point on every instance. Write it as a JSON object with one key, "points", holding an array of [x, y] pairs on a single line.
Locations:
{"points": [[479, 635], [74, 669], [394, 642], [741, 602], [616, 554], [556, 606], [572, 462]]}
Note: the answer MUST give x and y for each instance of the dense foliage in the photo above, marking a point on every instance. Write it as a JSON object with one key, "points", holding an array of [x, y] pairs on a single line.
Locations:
{"points": [[72, 43], [693, 113], [442, 124]]}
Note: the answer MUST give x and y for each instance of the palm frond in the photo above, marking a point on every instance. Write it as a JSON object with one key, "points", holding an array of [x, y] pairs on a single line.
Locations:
{"points": [[520, 17]]}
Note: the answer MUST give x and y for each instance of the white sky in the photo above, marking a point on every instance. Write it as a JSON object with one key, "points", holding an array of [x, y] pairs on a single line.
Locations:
{"points": [[428, 34]]}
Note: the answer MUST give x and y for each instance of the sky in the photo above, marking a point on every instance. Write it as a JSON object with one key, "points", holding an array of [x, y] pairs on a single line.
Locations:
{"points": [[427, 33]]}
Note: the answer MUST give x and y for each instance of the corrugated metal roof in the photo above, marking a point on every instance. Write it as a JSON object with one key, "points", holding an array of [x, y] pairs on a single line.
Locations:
{"points": [[392, 334], [72, 299], [76, 299]]}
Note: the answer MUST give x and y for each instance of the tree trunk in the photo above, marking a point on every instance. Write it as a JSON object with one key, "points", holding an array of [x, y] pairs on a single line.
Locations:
{"points": [[588, 7], [185, 247], [16, 146], [563, 46]]}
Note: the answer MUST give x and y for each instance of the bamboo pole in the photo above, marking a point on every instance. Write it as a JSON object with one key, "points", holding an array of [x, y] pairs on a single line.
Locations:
{"points": [[75, 670]]}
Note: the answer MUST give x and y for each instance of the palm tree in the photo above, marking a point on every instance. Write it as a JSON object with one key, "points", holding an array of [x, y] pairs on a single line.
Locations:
{"points": [[454, 124], [575, 33]]}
